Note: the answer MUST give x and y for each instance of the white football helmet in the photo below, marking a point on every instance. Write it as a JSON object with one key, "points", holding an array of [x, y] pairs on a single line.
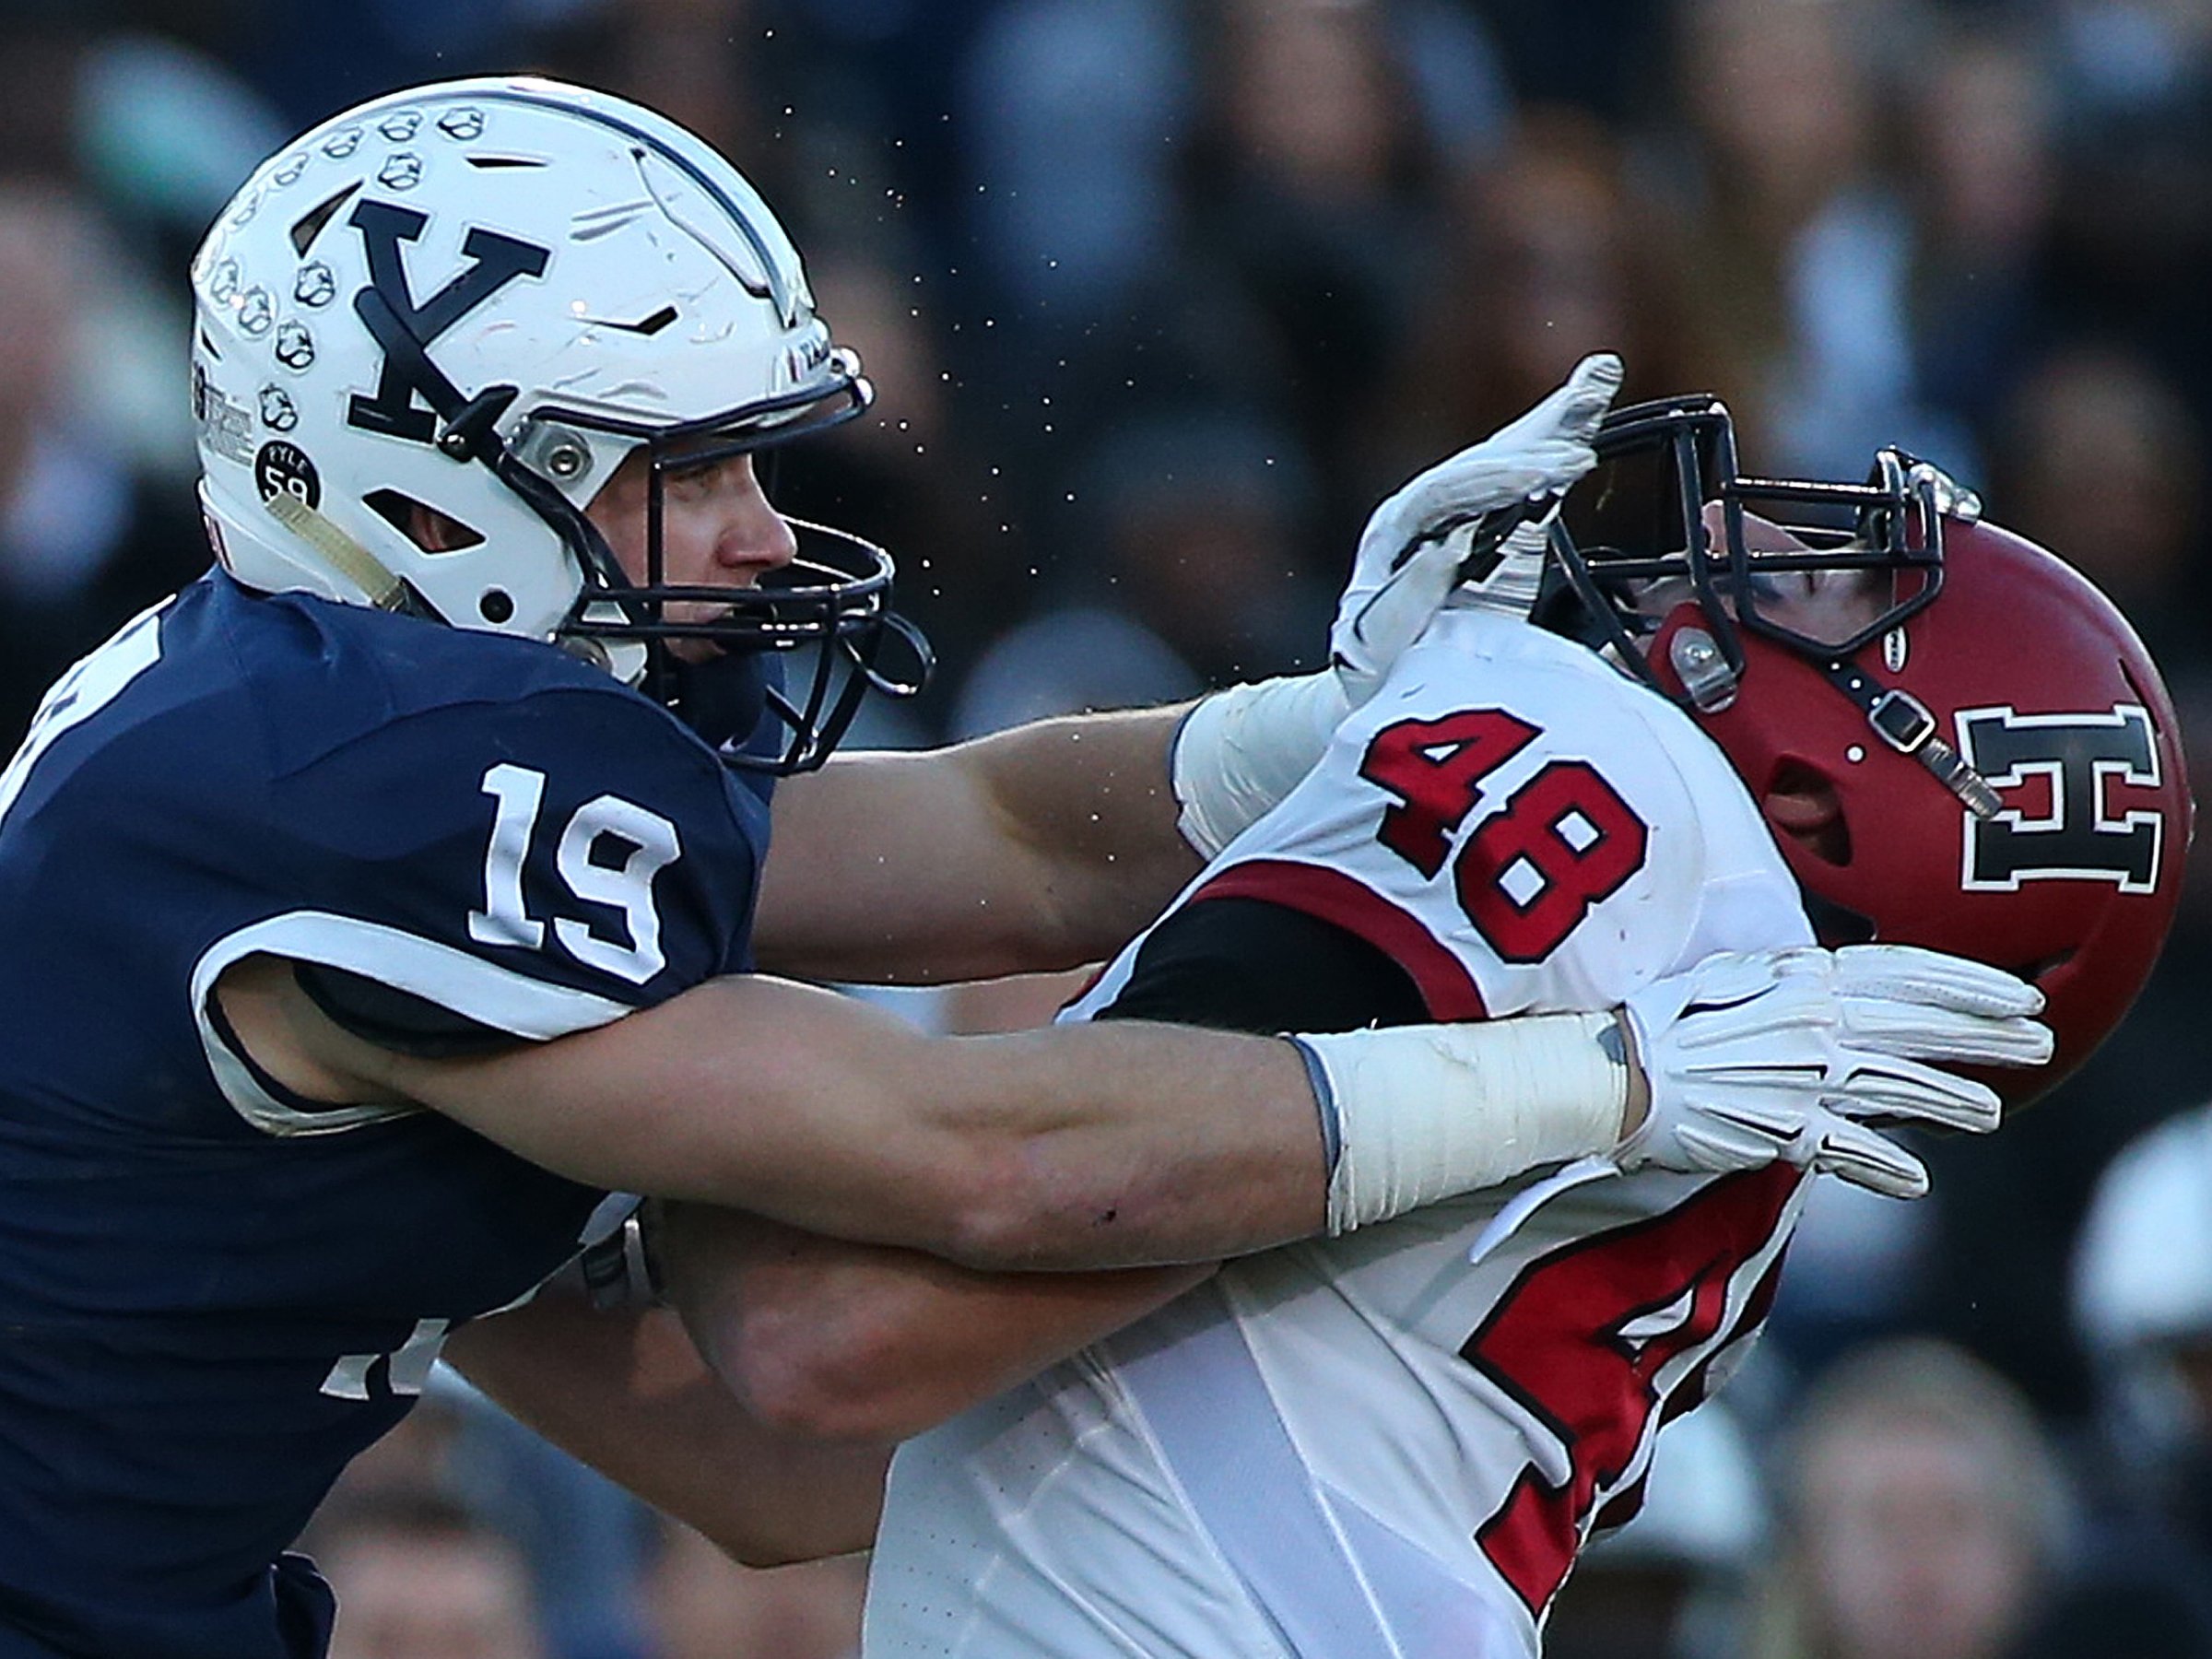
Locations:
{"points": [[2143, 1283], [479, 296]]}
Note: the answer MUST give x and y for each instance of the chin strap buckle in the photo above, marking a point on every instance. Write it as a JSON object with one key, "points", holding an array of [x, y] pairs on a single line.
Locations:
{"points": [[1909, 727], [1901, 720]]}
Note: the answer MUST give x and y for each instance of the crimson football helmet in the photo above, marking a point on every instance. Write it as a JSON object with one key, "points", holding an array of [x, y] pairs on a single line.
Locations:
{"points": [[1958, 740]]}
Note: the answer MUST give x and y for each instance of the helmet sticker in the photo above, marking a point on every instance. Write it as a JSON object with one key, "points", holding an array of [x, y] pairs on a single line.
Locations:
{"points": [[284, 467], [278, 413], [2080, 755], [226, 427], [295, 345], [316, 285]]}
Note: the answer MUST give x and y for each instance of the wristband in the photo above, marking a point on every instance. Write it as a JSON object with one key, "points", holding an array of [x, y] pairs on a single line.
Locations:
{"points": [[1427, 1113], [1241, 750]]}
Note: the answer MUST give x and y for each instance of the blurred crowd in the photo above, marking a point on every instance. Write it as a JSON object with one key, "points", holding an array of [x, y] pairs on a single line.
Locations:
{"points": [[1159, 296]]}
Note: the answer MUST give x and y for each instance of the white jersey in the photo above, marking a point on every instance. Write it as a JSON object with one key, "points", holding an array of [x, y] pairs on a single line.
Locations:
{"points": [[1393, 1445]]}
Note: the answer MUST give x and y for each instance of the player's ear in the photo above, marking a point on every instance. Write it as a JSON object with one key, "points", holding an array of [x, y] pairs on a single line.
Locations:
{"points": [[1803, 805]]}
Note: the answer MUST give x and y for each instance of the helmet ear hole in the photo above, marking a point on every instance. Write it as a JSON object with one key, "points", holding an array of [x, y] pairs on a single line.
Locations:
{"points": [[425, 525], [1802, 804]]}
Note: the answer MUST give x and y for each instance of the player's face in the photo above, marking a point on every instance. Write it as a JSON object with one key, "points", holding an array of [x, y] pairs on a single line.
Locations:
{"points": [[717, 527], [1820, 603], [1830, 605]]}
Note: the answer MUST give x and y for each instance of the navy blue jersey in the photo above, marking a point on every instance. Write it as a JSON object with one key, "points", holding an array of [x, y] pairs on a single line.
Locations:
{"points": [[213, 1293]]}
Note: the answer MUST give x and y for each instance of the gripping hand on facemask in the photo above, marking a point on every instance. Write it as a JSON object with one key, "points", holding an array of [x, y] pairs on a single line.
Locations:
{"points": [[1470, 530], [1791, 1057], [1454, 532]]}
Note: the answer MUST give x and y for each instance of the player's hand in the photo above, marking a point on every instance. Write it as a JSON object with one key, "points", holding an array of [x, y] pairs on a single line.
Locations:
{"points": [[1470, 527], [1786, 1055]]}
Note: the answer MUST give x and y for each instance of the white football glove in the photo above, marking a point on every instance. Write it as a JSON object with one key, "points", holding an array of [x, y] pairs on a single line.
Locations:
{"points": [[1470, 529], [1454, 530], [1786, 1055]]}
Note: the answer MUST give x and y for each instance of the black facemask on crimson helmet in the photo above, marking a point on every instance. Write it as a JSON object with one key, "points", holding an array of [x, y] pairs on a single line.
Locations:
{"points": [[1958, 740]]}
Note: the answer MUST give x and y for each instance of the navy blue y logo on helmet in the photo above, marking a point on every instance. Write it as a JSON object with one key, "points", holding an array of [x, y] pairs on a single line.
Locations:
{"points": [[404, 328]]}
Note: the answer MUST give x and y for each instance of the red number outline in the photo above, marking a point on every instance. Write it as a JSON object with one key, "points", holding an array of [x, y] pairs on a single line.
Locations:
{"points": [[1555, 1344]]}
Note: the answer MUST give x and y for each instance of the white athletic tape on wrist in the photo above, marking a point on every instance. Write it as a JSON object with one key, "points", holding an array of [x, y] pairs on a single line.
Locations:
{"points": [[1430, 1112], [1241, 750]]}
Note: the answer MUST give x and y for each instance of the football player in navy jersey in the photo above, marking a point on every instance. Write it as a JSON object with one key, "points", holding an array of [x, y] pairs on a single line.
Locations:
{"points": [[395, 894]]}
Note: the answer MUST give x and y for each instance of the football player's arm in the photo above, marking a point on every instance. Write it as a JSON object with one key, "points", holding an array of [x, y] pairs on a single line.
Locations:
{"points": [[852, 1342], [858, 1343], [1083, 1146], [1039, 848], [628, 1394], [1130, 1144], [1049, 845]]}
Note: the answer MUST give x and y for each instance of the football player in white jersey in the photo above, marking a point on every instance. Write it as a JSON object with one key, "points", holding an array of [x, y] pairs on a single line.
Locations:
{"points": [[1908, 726]]}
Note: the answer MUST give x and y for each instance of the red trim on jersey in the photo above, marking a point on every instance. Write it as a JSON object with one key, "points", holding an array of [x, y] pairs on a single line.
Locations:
{"points": [[1330, 896]]}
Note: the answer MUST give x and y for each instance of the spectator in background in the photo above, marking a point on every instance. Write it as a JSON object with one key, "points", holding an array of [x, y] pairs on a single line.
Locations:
{"points": [[418, 1578], [1547, 255], [1071, 118], [583, 1543], [1923, 1513], [1596, 56], [147, 136], [45, 48], [1071, 111], [1671, 1582], [81, 546], [1802, 251], [1983, 176], [1223, 201], [2143, 1304], [2102, 455], [1189, 538], [2135, 216], [1314, 193]]}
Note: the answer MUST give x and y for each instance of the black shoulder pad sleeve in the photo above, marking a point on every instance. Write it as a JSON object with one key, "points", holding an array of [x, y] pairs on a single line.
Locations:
{"points": [[1246, 965]]}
